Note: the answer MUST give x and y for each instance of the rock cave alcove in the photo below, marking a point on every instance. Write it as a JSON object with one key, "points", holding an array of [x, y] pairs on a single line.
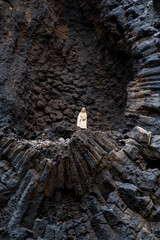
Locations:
{"points": [[63, 60], [60, 182]]}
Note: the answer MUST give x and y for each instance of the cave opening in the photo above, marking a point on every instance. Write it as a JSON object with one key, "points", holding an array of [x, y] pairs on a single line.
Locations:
{"points": [[152, 163], [69, 63]]}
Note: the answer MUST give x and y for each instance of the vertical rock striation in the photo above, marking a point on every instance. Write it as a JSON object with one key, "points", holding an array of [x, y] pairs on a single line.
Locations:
{"points": [[94, 186], [136, 24], [56, 57]]}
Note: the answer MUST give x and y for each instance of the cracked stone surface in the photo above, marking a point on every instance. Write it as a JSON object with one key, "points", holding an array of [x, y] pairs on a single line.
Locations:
{"points": [[60, 182], [95, 185], [54, 59]]}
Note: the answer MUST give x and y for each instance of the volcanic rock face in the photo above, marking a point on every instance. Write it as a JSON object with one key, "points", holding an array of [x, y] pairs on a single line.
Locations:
{"points": [[137, 25], [56, 57], [94, 185]]}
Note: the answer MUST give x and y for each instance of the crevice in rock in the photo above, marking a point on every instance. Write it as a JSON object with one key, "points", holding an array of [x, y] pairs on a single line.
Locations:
{"points": [[151, 163], [58, 181]]}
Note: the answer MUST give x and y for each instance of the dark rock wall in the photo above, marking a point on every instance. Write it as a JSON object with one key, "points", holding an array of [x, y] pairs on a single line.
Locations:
{"points": [[57, 58], [136, 23], [93, 186]]}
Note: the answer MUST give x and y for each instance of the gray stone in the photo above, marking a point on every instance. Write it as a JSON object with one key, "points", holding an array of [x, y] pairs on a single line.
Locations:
{"points": [[132, 151], [41, 104], [21, 234], [141, 135], [157, 230], [133, 197], [39, 227], [112, 214]]}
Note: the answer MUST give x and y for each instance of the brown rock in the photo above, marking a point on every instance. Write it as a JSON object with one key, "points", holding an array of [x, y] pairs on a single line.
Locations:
{"points": [[47, 96], [68, 112], [49, 80], [36, 89], [47, 87], [47, 119], [38, 114], [55, 93], [56, 116], [48, 110], [40, 121], [57, 104], [36, 128], [41, 104]]}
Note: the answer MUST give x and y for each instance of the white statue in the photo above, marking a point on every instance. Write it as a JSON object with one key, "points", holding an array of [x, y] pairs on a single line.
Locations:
{"points": [[82, 119]]}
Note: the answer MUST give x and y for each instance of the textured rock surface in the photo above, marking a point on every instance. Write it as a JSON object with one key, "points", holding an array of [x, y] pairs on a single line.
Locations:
{"points": [[136, 24], [86, 187], [57, 56]]}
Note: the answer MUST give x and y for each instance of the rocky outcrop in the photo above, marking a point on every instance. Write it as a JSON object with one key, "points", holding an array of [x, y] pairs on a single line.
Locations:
{"points": [[60, 182], [136, 25], [56, 58], [95, 185], [55, 61]]}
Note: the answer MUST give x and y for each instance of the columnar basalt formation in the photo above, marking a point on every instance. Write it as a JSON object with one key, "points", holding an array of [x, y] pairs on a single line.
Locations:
{"points": [[136, 24], [95, 185], [58, 181]]}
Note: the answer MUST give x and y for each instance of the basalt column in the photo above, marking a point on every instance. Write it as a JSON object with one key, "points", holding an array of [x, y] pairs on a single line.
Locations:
{"points": [[136, 25]]}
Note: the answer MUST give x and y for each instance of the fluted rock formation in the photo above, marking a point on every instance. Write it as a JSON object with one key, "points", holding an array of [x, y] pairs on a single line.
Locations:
{"points": [[56, 57], [94, 185], [136, 25]]}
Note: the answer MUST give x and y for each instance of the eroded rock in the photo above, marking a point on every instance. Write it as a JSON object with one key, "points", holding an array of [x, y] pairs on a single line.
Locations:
{"points": [[78, 188]]}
